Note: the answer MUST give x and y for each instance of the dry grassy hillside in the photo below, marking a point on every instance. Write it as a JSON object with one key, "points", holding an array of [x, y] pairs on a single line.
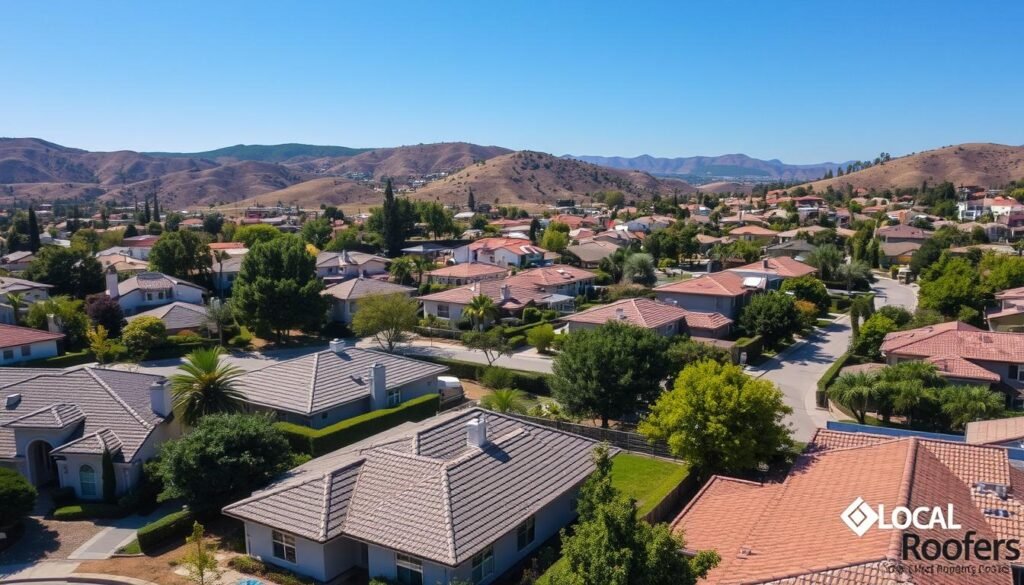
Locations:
{"points": [[983, 164], [327, 190], [405, 162], [222, 184]]}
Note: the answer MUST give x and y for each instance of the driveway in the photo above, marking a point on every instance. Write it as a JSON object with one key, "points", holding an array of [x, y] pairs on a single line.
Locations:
{"points": [[527, 359]]}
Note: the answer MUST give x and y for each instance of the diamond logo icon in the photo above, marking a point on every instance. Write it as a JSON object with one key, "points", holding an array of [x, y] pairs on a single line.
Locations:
{"points": [[859, 517]]}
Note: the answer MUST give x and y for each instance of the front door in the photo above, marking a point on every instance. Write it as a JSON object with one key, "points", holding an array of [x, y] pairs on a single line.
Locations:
{"points": [[42, 469]]}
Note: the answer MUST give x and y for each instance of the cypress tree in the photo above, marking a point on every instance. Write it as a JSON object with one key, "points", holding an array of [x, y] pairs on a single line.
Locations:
{"points": [[109, 479], [393, 237], [146, 216], [156, 208], [33, 230], [472, 200]]}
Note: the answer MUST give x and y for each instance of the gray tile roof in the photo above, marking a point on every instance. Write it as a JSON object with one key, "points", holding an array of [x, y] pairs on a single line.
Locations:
{"points": [[423, 491], [324, 380], [9, 284], [110, 400], [346, 258], [54, 416], [357, 288], [177, 315], [92, 444], [152, 281]]}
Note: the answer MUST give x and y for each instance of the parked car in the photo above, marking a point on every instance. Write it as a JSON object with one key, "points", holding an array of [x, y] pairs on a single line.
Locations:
{"points": [[450, 389]]}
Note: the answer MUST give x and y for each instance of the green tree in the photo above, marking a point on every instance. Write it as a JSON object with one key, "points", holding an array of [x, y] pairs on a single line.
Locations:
{"points": [[213, 223], [401, 270], [744, 250], [101, 346], [438, 219], [481, 310], [541, 337], [854, 391], [17, 303], [826, 258], [610, 371], [182, 254], [721, 420], [686, 351], [199, 560], [808, 288], [143, 334], [554, 240], [18, 496], [855, 275], [33, 230], [952, 284], [250, 235], [220, 316], [388, 318], [639, 269], [225, 457], [67, 312], [395, 221], [69, 272], [965, 404], [154, 228], [871, 335], [471, 202], [772, 315], [277, 288], [317, 232], [507, 400], [492, 343], [205, 385]]}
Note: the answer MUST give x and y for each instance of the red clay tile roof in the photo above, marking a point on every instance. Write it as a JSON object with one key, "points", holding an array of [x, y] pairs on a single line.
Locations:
{"points": [[715, 284], [13, 336], [957, 367], [783, 266], [902, 231], [517, 246], [753, 230], [227, 246], [1000, 430], [648, 313], [551, 275], [468, 270], [1011, 293], [956, 338]]}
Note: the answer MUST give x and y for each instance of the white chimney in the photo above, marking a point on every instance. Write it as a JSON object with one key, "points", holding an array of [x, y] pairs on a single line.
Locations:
{"points": [[378, 386], [51, 323], [764, 263], [476, 432], [620, 314], [506, 292], [112, 291], [337, 346], [160, 398]]}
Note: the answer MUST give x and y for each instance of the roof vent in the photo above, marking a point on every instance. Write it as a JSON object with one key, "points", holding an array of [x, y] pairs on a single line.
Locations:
{"points": [[12, 401], [620, 313], [993, 489], [997, 512]]}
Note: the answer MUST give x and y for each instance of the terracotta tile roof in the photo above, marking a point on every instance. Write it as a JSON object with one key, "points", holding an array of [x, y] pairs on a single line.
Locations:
{"points": [[517, 246], [640, 312], [716, 284], [902, 231], [468, 270], [357, 288], [956, 338], [783, 266], [551, 276], [593, 251], [1000, 430], [518, 296], [13, 336], [753, 230], [1011, 293], [957, 367], [791, 532], [899, 248]]}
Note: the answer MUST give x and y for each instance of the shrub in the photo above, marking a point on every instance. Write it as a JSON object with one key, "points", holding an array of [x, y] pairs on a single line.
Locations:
{"points": [[143, 334], [549, 314], [531, 382], [251, 566], [185, 337], [531, 315], [18, 497], [90, 511], [243, 339], [496, 378], [176, 525], [869, 341], [541, 337], [517, 341], [808, 288], [808, 314], [63, 496]]}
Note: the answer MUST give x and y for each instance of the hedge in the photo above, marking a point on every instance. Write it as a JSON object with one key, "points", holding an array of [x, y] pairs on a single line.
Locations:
{"points": [[90, 511], [67, 360], [752, 345], [532, 382], [176, 525], [828, 377], [317, 442]]}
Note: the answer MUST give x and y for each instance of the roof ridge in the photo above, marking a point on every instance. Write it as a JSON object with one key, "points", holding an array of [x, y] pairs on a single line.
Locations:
{"points": [[906, 485], [449, 523], [312, 381], [117, 398], [325, 508], [51, 407]]}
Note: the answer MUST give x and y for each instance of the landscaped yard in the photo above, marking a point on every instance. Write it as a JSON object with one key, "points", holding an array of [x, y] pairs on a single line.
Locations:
{"points": [[645, 479]]}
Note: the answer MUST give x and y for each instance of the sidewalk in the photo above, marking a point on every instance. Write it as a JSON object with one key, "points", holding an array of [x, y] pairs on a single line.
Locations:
{"points": [[113, 537]]}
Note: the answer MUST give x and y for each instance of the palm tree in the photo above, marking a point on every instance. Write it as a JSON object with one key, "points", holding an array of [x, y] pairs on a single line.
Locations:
{"points": [[220, 256], [965, 404], [854, 391], [508, 400], [480, 309], [205, 385], [17, 302], [219, 315], [826, 258], [401, 269], [421, 265]]}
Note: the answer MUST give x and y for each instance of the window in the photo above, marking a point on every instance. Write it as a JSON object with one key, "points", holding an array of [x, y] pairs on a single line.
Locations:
{"points": [[483, 564], [394, 397], [160, 295], [26, 350], [8, 354], [149, 296], [87, 480], [442, 311], [526, 532], [284, 546], [1016, 372], [410, 569]]}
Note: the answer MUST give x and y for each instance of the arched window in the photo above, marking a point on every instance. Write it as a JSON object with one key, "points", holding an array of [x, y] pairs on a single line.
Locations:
{"points": [[87, 480]]}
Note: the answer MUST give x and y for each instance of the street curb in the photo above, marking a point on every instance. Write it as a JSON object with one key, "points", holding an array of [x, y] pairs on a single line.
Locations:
{"points": [[85, 578]]}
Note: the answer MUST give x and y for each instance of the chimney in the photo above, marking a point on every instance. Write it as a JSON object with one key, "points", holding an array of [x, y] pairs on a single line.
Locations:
{"points": [[160, 398], [620, 314], [112, 291], [476, 432], [378, 386], [506, 292], [764, 263], [337, 346], [51, 323]]}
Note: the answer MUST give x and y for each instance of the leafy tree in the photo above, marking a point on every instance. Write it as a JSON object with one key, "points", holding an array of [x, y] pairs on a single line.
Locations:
{"points": [[686, 351], [807, 313], [225, 457], [554, 240], [101, 346], [925, 256], [68, 313], [744, 250], [401, 270], [388, 318], [639, 269], [131, 231], [154, 228], [900, 316], [220, 315], [250, 235], [610, 545], [965, 404], [826, 258], [610, 371], [199, 561], [396, 220], [173, 221], [213, 223], [317, 232], [18, 496], [181, 254], [33, 230], [481, 310], [854, 391], [773, 316], [205, 385], [87, 240], [951, 284], [492, 343], [17, 303], [721, 420], [438, 219], [541, 337], [143, 334], [507, 400], [277, 288], [808, 288], [872, 333], [69, 272], [855, 275]]}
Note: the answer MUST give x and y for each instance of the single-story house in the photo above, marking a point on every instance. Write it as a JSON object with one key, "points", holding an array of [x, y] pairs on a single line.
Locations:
{"points": [[320, 389], [665, 319], [466, 273], [775, 270], [719, 292], [139, 246], [22, 344], [178, 316], [31, 292], [753, 233], [561, 279], [892, 234], [591, 253], [349, 264], [1010, 314], [344, 296], [462, 497], [56, 424], [897, 253], [123, 263], [17, 261], [798, 249], [510, 299], [516, 252], [149, 290]]}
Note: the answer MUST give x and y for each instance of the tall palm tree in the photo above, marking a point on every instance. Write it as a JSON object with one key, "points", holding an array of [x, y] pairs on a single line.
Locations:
{"points": [[965, 404], [480, 309], [205, 385], [17, 303], [508, 400], [421, 265], [854, 391], [401, 269], [219, 316], [220, 256]]}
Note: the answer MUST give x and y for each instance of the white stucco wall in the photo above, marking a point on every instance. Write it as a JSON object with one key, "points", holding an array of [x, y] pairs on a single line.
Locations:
{"points": [[38, 350], [454, 311]]}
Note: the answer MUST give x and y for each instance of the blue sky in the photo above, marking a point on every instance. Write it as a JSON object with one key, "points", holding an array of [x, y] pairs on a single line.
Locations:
{"points": [[800, 81]]}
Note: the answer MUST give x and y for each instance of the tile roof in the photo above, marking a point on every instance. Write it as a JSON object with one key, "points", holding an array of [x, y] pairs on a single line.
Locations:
{"points": [[13, 335], [753, 230], [92, 444], [425, 491], [517, 246], [347, 258], [955, 366], [357, 288], [227, 246], [791, 532], [468, 270], [551, 276], [326, 379], [1000, 430], [899, 248], [518, 295], [902, 231], [647, 313], [112, 400], [1011, 293], [53, 416], [956, 338], [9, 284], [593, 251], [177, 315], [152, 281], [715, 284], [782, 266]]}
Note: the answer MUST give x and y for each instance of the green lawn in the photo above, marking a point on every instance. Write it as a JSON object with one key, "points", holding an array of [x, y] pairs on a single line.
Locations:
{"points": [[646, 480]]}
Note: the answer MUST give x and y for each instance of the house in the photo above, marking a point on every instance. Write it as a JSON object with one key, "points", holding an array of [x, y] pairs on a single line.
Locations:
{"points": [[178, 316], [31, 292], [897, 253], [999, 432], [795, 248], [344, 296], [469, 272], [122, 263], [558, 279], [22, 344], [463, 497], [592, 252], [139, 246], [224, 272], [893, 234], [503, 252], [1010, 314], [56, 424], [810, 230], [665, 319], [725, 293], [775, 270], [17, 261], [349, 264], [230, 248], [510, 299], [149, 290], [753, 233], [320, 389], [963, 354], [795, 531]]}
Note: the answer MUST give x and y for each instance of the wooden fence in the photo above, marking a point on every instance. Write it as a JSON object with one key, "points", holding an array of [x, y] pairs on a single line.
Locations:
{"points": [[625, 440]]}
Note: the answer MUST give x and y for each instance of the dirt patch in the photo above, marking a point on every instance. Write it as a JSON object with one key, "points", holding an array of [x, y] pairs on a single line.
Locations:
{"points": [[474, 390], [48, 539]]}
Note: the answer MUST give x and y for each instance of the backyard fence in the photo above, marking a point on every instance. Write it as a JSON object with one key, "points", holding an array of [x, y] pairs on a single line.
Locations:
{"points": [[625, 440]]}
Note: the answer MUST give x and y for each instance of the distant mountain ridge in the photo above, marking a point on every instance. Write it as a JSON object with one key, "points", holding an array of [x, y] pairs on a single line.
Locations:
{"points": [[274, 153], [711, 168]]}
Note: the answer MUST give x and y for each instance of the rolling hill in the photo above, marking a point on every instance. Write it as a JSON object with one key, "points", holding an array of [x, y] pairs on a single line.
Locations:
{"points": [[982, 164], [266, 153], [405, 162], [712, 167]]}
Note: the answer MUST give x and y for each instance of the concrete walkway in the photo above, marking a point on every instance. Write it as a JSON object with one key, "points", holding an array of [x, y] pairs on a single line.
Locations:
{"points": [[55, 570], [113, 537]]}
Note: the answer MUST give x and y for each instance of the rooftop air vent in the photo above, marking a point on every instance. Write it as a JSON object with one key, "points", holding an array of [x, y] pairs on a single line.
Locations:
{"points": [[12, 401]]}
